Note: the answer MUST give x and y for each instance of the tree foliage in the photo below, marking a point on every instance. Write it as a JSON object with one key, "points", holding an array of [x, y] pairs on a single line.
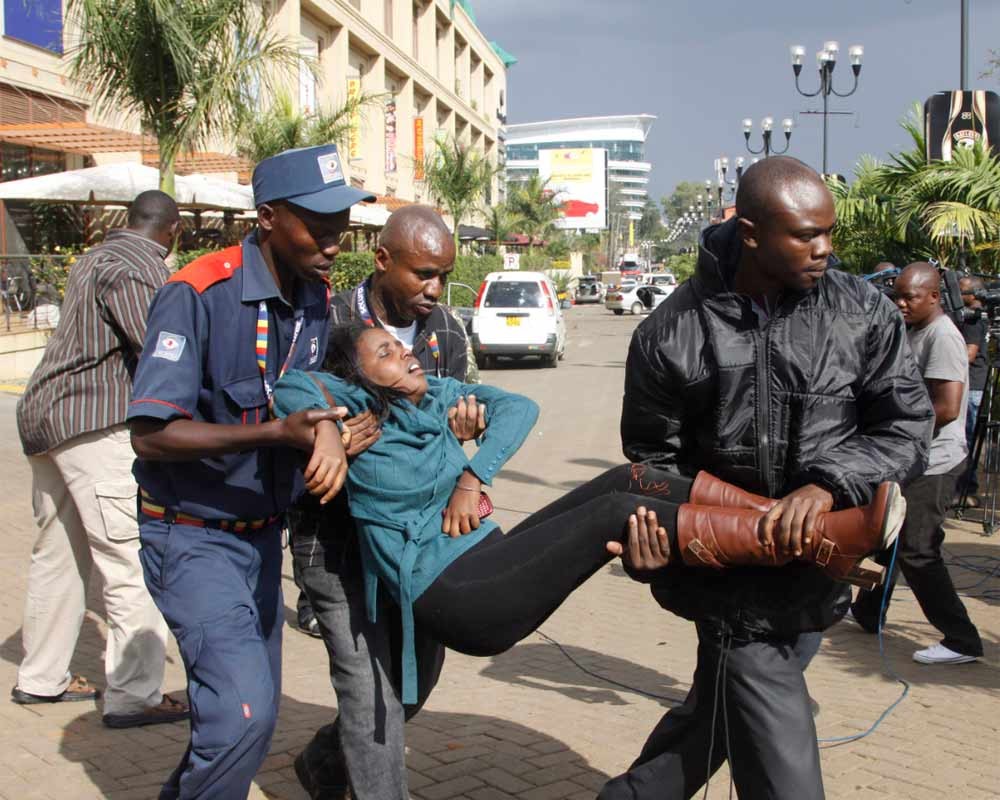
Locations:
{"points": [[281, 127], [535, 206], [685, 195], [458, 178], [501, 222], [907, 209], [649, 226], [185, 68]]}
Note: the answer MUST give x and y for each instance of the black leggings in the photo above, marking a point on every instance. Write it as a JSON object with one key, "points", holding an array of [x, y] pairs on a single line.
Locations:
{"points": [[505, 587]]}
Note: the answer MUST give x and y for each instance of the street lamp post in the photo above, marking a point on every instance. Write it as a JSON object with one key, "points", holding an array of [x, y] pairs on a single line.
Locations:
{"points": [[826, 60], [766, 129]]}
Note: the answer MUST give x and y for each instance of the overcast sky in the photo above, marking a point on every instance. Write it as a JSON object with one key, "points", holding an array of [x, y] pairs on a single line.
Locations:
{"points": [[701, 66]]}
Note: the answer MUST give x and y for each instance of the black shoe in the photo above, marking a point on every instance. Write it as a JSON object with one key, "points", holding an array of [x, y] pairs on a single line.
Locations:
{"points": [[852, 618], [311, 628], [311, 784]]}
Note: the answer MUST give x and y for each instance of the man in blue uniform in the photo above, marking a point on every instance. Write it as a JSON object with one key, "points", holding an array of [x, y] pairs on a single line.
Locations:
{"points": [[217, 472]]}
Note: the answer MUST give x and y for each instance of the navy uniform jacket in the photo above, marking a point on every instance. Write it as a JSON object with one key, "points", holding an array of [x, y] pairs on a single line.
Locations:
{"points": [[199, 362]]}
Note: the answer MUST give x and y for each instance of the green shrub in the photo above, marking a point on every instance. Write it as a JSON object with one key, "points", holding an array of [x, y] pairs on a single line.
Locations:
{"points": [[349, 269], [186, 257]]}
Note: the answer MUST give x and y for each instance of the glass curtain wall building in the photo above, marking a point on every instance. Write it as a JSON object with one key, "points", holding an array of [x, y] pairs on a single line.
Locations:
{"points": [[624, 137]]}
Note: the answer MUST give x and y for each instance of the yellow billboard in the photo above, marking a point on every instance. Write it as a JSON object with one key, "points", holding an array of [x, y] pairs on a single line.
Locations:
{"points": [[577, 176]]}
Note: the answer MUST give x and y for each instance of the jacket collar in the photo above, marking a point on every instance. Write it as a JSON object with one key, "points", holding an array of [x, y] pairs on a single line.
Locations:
{"points": [[362, 293], [258, 282], [719, 252]]}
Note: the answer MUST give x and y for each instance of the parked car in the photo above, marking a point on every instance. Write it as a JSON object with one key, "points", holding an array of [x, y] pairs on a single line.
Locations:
{"points": [[637, 299], [659, 279], [590, 290], [516, 314]]}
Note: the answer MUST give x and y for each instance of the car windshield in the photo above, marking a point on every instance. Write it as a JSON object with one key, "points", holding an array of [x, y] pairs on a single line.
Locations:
{"points": [[514, 294]]}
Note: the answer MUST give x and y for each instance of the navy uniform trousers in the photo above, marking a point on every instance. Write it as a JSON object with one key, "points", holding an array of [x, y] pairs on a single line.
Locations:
{"points": [[220, 593]]}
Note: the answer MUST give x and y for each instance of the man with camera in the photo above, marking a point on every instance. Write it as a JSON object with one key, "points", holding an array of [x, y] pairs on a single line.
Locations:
{"points": [[942, 359], [974, 332]]}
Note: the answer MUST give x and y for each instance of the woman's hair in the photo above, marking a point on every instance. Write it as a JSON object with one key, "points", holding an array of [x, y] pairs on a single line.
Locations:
{"points": [[342, 360]]}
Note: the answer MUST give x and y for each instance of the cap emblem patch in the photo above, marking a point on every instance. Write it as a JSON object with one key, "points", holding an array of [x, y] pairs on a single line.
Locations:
{"points": [[329, 168]]}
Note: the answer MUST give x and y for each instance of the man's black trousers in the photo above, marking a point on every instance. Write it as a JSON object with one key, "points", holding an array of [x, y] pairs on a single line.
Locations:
{"points": [[919, 558], [759, 719]]}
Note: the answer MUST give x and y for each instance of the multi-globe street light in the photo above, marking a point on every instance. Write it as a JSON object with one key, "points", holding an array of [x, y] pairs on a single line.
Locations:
{"points": [[721, 171], [766, 131], [826, 61]]}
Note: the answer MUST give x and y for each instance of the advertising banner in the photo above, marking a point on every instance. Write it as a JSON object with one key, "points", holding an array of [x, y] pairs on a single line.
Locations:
{"points": [[390, 135], [578, 178], [354, 134], [957, 119], [418, 148]]}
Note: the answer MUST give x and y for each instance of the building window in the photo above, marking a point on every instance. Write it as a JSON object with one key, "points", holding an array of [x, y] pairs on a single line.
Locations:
{"points": [[388, 18], [416, 31], [17, 161], [442, 34], [38, 22]]}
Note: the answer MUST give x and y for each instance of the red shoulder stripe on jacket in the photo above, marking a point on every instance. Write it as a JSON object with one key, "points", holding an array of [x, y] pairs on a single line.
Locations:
{"points": [[210, 269]]}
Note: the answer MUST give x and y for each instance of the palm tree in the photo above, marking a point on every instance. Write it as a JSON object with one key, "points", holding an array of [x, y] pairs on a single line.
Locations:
{"points": [[185, 68], [535, 205], [457, 177], [283, 127], [909, 209], [500, 221]]}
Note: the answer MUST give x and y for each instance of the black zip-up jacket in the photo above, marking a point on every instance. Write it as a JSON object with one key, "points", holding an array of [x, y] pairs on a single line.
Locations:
{"points": [[313, 526], [825, 392]]}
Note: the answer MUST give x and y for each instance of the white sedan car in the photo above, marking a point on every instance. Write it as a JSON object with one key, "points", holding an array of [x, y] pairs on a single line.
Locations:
{"points": [[639, 299]]}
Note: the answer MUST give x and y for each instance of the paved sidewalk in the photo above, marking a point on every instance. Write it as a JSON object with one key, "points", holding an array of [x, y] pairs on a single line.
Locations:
{"points": [[540, 722]]}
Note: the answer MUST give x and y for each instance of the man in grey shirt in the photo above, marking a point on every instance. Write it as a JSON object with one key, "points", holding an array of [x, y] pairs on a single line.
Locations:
{"points": [[943, 361]]}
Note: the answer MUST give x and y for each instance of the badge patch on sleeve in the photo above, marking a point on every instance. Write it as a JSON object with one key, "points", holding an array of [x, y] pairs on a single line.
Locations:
{"points": [[169, 346]]}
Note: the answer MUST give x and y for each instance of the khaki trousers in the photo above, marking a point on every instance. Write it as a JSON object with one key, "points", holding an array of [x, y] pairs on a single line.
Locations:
{"points": [[84, 500]]}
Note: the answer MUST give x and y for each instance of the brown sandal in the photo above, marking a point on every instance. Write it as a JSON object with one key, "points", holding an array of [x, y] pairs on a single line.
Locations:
{"points": [[169, 709], [78, 690]]}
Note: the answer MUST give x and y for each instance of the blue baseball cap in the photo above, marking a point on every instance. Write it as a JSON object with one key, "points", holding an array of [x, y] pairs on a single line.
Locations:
{"points": [[310, 177]]}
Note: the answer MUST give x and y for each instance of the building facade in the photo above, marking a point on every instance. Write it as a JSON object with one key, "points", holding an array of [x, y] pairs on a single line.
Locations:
{"points": [[623, 137], [431, 71]]}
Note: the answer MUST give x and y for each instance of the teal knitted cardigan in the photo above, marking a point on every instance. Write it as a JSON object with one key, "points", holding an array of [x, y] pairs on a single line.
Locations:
{"points": [[400, 485]]}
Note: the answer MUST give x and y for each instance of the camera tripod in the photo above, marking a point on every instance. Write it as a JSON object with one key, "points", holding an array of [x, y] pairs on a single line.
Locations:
{"points": [[985, 451]]}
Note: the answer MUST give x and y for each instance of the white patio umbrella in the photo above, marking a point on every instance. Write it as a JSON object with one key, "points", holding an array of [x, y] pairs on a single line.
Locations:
{"points": [[212, 192], [120, 183]]}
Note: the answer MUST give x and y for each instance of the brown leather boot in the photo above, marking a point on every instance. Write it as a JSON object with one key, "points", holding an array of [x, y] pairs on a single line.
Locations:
{"points": [[728, 537], [707, 490]]}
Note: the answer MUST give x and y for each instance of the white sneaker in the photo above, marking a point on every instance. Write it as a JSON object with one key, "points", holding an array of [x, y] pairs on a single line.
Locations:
{"points": [[939, 654]]}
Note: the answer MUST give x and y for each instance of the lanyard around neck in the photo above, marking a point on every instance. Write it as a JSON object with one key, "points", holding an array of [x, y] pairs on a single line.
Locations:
{"points": [[261, 347], [361, 298]]}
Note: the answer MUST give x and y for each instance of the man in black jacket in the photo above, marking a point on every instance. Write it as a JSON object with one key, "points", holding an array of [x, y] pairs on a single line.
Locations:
{"points": [[775, 372], [364, 747]]}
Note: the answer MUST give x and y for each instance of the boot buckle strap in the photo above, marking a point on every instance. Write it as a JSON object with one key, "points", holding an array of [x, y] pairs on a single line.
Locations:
{"points": [[825, 552], [703, 554]]}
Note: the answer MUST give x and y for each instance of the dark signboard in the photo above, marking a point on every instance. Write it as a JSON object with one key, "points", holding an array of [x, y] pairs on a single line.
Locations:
{"points": [[37, 22], [956, 119]]}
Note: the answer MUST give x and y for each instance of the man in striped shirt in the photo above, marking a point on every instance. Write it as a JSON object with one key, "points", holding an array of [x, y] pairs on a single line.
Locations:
{"points": [[71, 423]]}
